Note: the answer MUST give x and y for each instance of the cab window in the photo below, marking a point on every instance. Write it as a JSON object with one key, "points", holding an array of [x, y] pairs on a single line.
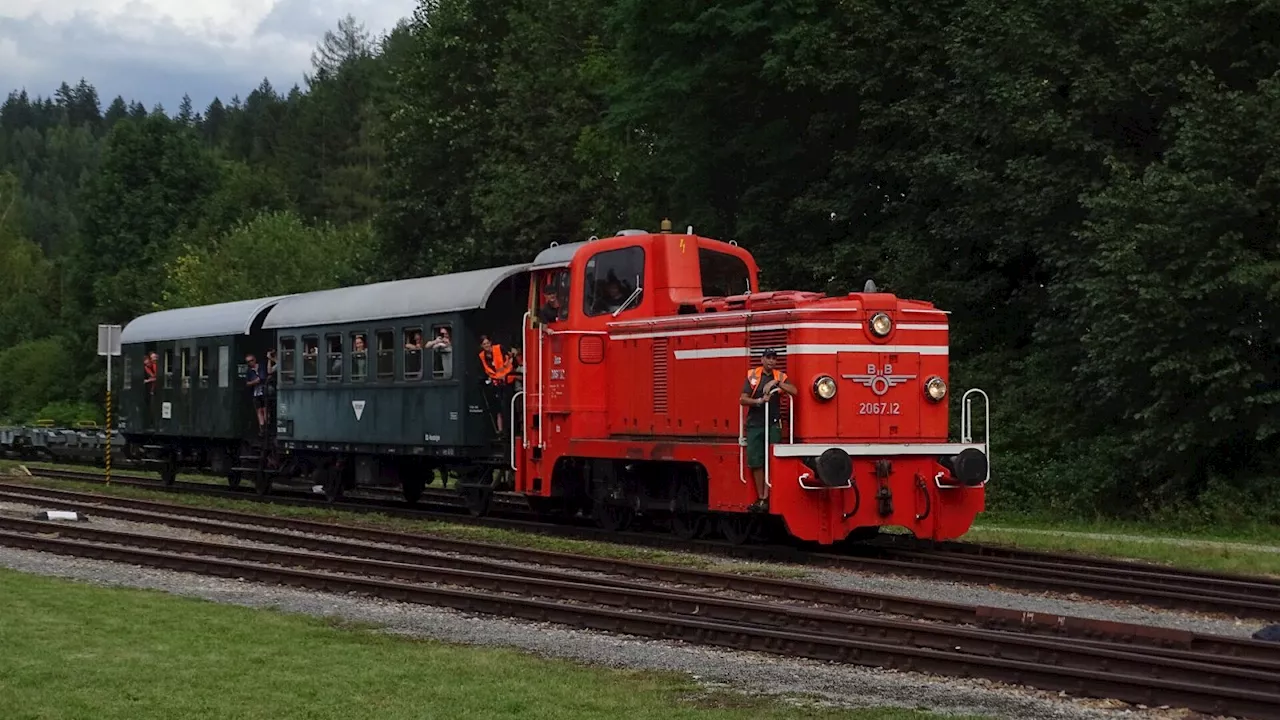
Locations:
{"points": [[614, 281], [553, 297], [723, 275]]}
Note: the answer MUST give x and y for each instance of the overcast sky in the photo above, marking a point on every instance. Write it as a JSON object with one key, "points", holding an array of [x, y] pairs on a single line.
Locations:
{"points": [[155, 50]]}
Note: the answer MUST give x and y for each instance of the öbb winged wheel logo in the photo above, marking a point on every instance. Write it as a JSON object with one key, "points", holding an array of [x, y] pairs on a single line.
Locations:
{"points": [[879, 381]]}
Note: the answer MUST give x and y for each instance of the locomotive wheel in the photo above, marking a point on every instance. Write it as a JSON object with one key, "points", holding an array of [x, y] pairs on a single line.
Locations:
{"points": [[233, 479], [739, 528], [685, 523], [614, 518], [413, 488]]}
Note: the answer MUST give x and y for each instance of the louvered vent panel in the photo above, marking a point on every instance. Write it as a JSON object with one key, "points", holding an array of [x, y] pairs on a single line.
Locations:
{"points": [[776, 339], [661, 378]]}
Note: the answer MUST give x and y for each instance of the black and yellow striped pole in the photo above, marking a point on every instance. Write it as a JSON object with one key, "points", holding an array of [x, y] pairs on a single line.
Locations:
{"points": [[108, 345], [108, 450]]}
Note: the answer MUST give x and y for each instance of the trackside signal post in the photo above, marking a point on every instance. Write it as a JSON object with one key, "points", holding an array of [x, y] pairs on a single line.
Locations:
{"points": [[108, 346]]}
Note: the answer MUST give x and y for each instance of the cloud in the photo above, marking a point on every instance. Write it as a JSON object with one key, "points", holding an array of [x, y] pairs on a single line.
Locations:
{"points": [[153, 51]]}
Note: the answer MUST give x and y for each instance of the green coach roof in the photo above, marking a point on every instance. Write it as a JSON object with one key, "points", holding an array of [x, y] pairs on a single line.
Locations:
{"points": [[233, 318]]}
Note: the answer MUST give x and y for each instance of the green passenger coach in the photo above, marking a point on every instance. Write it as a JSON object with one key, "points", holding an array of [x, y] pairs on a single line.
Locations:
{"points": [[370, 394], [198, 412]]}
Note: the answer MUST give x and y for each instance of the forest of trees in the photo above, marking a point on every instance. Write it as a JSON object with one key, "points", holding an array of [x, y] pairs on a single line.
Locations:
{"points": [[1090, 188]]}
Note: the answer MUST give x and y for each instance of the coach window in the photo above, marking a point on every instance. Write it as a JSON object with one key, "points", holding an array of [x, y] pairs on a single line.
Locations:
{"points": [[224, 366], [185, 368], [333, 358], [723, 275], [359, 356], [202, 366], [386, 340], [413, 353], [442, 352], [168, 369], [288, 368], [128, 375], [614, 281], [310, 352]]}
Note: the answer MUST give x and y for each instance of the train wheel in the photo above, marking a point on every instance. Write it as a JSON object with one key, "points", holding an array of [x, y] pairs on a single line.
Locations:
{"points": [[413, 488], [739, 528], [686, 524], [614, 518], [478, 500], [261, 479], [169, 471], [331, 480], [233, 479]]}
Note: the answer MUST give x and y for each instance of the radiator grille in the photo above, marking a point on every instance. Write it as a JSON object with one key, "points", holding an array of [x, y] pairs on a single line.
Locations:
{"points": [[758, 342], [661, 379]]}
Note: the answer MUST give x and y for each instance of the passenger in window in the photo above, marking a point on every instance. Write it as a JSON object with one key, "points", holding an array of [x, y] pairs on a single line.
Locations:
{"points": [[255, 379], [442, 346], [413, 354], [358, 357], [550, 310], [150, 368], [613, 296], [496, 369]]}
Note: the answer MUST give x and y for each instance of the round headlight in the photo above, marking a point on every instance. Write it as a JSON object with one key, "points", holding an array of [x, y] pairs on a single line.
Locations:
{"points": [[936, 388], [824, 387], [881, 324]]}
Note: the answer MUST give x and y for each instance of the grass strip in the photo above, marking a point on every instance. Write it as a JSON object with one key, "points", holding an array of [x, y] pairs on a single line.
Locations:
{"points": [[73, 650]]}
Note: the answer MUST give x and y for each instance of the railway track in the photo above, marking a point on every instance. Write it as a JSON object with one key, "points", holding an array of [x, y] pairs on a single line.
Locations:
{"points": [[1221, 676], [1239, 596]]}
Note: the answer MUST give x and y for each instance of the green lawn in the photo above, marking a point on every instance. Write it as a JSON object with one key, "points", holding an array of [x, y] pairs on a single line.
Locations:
{"points": [[72, 650]]}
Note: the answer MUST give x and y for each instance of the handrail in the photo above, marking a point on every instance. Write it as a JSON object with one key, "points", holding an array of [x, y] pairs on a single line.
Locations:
{"points": [[742, 446], [524, 358], [768, 423], [542, 391], [966, 424], [513, 430], [791, 421]]}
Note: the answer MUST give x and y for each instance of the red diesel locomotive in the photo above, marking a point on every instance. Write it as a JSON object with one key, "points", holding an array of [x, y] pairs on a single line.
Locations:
{"points": [[641, 413]]}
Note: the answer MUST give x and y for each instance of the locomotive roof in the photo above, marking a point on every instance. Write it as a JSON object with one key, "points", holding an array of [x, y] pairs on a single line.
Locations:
{"points": [[556, 256], [232, 318], [395, 299]]}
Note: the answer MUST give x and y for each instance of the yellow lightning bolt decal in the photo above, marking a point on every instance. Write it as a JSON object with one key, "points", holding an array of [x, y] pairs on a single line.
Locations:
{"points": [[681, 246]]}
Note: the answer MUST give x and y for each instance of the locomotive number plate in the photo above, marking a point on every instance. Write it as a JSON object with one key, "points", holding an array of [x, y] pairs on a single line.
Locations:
{"points": [[873, 408]]}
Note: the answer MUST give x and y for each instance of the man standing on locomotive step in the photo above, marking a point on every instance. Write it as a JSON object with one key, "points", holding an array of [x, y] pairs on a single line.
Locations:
{"points": [[762, 386]]}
